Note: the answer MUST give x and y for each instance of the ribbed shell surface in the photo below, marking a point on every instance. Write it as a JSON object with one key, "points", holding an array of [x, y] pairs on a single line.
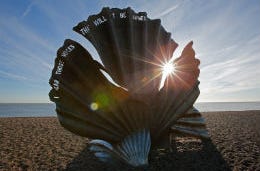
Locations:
{"points": [[133, 50]]}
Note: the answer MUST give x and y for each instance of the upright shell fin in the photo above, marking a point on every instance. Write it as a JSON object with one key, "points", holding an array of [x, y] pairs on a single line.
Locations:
{"points": [[192, 124], [134, 149], [87, 103], [179, 93], [130, 45]]}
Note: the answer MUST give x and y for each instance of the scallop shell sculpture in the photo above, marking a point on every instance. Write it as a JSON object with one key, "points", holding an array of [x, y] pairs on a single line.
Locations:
{"points": [[126, 119]]}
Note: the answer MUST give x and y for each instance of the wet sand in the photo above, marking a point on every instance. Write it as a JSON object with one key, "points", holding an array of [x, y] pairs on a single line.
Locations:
{"points": [[42, 144]]}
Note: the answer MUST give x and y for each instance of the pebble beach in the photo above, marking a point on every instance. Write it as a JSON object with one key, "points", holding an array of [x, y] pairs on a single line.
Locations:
{"points": [[40, 143]]}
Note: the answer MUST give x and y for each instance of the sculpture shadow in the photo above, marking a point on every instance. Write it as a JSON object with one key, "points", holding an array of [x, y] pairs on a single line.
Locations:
{"points": [[187, 154]]}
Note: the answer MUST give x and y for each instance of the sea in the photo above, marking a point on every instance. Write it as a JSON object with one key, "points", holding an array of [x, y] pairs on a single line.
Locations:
{"points": [[48, 109]]}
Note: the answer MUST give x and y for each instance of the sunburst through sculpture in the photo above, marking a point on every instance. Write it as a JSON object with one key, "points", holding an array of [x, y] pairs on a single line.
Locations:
{"points": [[151, 99], [167, 68]]}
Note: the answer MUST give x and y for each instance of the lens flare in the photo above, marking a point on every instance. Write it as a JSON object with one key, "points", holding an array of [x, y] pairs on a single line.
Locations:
{"points": [[94, 106]]}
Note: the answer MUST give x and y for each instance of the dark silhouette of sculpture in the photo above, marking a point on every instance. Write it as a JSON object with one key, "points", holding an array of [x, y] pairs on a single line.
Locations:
{"points": [[154, 95]]}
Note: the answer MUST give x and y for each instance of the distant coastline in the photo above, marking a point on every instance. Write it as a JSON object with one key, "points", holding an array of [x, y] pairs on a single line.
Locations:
{"points": [[227, 106], [48, 109]]}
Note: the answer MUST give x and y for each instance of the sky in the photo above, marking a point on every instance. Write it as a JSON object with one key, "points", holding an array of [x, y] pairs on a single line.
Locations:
{"points": [[226, 36]]}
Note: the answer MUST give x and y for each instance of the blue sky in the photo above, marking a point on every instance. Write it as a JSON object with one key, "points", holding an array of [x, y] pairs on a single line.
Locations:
{"points": [[226, 37]]}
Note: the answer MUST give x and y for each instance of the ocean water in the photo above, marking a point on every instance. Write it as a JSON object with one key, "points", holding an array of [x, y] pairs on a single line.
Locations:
{"points": [[227, 106], [48, 109], [27, 109]]}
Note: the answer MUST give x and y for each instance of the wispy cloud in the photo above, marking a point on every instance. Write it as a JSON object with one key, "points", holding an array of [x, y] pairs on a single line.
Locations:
{"points": [[24, 52], [167, 11], [28, 9], [226, 39], [12, 76], [229, 51], [13, 28]]}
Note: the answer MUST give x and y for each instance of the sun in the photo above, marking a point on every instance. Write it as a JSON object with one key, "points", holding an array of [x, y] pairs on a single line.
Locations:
{"points": [[167, 69]]}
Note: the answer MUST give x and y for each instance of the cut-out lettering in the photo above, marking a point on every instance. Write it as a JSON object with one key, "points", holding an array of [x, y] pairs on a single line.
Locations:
{"points": [[85, 30], [67, 50], [139, 18], [99, 21], [56, 84], [122, 15], [59, 67]]}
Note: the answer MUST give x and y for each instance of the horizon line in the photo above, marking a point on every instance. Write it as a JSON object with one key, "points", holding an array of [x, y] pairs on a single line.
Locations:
{"points": [[194, 103]]}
